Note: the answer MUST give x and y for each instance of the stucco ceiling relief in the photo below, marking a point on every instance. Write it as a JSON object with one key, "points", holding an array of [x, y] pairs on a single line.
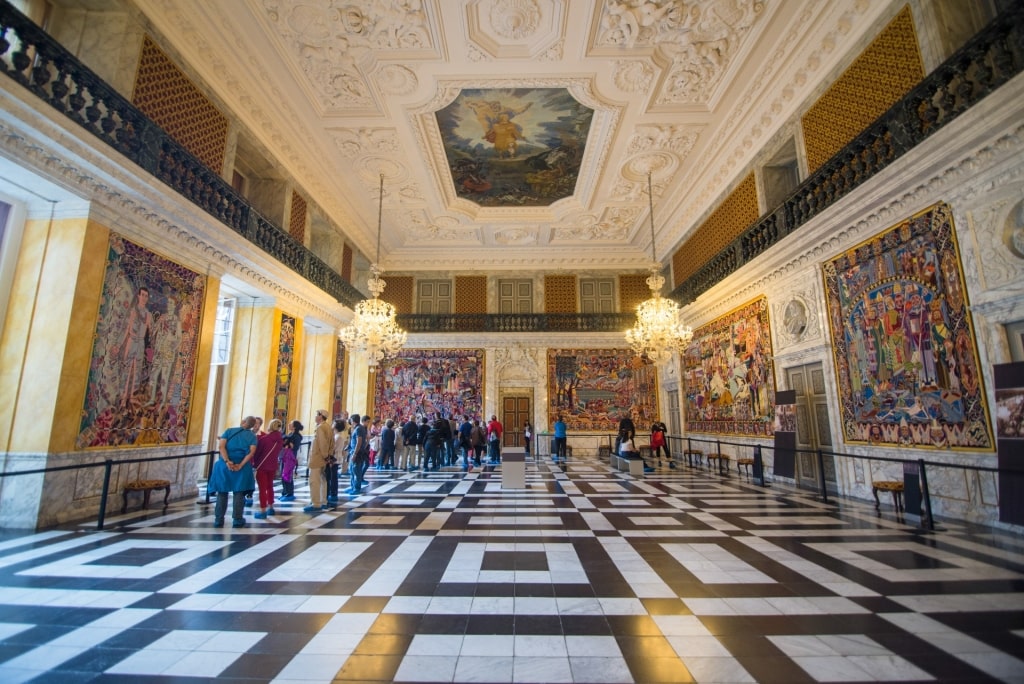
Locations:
{"points": [[329, 40]]}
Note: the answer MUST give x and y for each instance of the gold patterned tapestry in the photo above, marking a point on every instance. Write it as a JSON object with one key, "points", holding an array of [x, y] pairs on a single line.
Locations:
{"points": [[428, 382], [283, 376], [906, 360], [144, 350], [729, 376], [593, 388]]}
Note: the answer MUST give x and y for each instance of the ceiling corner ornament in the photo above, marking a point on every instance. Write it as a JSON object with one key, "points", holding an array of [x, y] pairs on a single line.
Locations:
{"points": [[374, 330], [657, 333]]}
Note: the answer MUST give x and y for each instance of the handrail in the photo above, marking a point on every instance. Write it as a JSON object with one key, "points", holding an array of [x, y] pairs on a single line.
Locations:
{"points": [[821, 453], [34, 59], [107, 465], [987, 61]]}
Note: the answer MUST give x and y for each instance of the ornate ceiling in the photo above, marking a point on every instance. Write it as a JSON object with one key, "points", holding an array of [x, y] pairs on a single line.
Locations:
{"points": [[342, 91]]}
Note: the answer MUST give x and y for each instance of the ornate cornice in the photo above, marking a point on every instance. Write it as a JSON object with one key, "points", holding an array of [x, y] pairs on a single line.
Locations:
{"points": [[121, 198]]}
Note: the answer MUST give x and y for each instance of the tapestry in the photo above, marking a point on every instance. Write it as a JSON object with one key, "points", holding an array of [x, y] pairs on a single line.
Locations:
{"points": [[430, 382], [729, 375], [514, 147], [592, 389], [144, 350], [338, 403], [283, 376], [906, 360]]}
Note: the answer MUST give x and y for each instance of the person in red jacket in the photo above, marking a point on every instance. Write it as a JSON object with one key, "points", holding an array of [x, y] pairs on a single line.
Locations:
{"points": [[494, 430]]}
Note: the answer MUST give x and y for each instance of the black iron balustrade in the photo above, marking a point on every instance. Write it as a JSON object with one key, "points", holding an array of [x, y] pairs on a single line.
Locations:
{"points": [[31, 57], [517, 323], [982, 65]]}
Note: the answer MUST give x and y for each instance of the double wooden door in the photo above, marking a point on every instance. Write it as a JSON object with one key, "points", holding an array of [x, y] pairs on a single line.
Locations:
{"points": [[514, 412], [813, 427]]}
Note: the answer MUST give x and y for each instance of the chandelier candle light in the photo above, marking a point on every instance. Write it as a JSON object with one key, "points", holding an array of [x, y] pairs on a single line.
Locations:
{"points": [[657, 332], [374, 329]]}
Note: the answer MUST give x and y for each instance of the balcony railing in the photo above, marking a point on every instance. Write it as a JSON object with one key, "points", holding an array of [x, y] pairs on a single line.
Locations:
{"points": [[31, 57], [982, 65], [516, 323]]}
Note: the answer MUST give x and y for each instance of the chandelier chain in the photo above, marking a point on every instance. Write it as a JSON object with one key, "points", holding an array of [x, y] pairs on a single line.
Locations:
{"points": [[374, 329], [658, 332]]}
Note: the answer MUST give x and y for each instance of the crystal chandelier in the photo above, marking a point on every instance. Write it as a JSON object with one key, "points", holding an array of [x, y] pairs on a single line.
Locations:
{"points": [[657, 332], [373, 328]]}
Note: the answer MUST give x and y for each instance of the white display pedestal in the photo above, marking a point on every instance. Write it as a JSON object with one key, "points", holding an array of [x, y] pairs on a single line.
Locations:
{"points": [[513, 468]]}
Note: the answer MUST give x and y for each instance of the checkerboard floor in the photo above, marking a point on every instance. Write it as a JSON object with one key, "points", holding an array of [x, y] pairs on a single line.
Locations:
{"points": [[586, 575]]}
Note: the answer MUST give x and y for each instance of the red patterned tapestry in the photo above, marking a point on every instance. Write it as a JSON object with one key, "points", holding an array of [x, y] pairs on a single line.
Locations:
{"points": [[730, 381], [428, 382]]}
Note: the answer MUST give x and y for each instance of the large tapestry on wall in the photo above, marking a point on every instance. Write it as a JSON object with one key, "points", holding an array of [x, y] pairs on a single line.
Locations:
{"points": [[593, 388], [905, 355], [283, 376], [729, 376], [428, 382], [144, 350]]}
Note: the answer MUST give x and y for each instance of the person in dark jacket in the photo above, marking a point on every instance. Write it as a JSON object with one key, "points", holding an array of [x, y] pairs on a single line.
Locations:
{"points": [[409, 448], [386, 458], [433, 444], [421, 441], [447, 454]]}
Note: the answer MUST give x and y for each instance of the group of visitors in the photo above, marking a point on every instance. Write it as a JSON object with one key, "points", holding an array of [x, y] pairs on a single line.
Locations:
{"points": [[249, 459]]}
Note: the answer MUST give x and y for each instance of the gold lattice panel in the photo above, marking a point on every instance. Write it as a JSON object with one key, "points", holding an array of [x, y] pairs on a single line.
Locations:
{"points": [[560, 294], [297, 224], [887, 69], [470, 294], [166, 95], [346, 264], [398, 292], [734, 215], [632, 290]]}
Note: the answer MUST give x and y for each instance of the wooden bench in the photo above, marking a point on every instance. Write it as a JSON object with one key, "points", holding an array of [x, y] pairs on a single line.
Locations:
{"points": [[694, 456], [894, 486], [720, 459], [145, 486], [744, 462]]}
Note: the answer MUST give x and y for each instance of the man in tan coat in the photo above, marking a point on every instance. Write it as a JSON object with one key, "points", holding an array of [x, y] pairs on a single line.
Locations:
{"points": [[322, 447]]}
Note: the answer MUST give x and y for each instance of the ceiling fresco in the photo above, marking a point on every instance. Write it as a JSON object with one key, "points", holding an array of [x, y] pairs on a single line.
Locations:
{"points": [[515, 147], [597, 95]]}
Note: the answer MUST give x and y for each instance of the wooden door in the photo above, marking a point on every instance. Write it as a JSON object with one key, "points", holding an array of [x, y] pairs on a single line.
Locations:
{"points": [[813, 427], [514, 412]]}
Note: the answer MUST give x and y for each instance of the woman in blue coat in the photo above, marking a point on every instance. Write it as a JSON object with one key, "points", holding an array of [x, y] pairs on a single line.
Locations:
{"points": [[233, 473]]}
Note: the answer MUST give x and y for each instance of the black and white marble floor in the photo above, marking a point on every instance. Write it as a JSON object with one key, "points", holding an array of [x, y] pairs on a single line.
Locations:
{"points": [[586, 575]]}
